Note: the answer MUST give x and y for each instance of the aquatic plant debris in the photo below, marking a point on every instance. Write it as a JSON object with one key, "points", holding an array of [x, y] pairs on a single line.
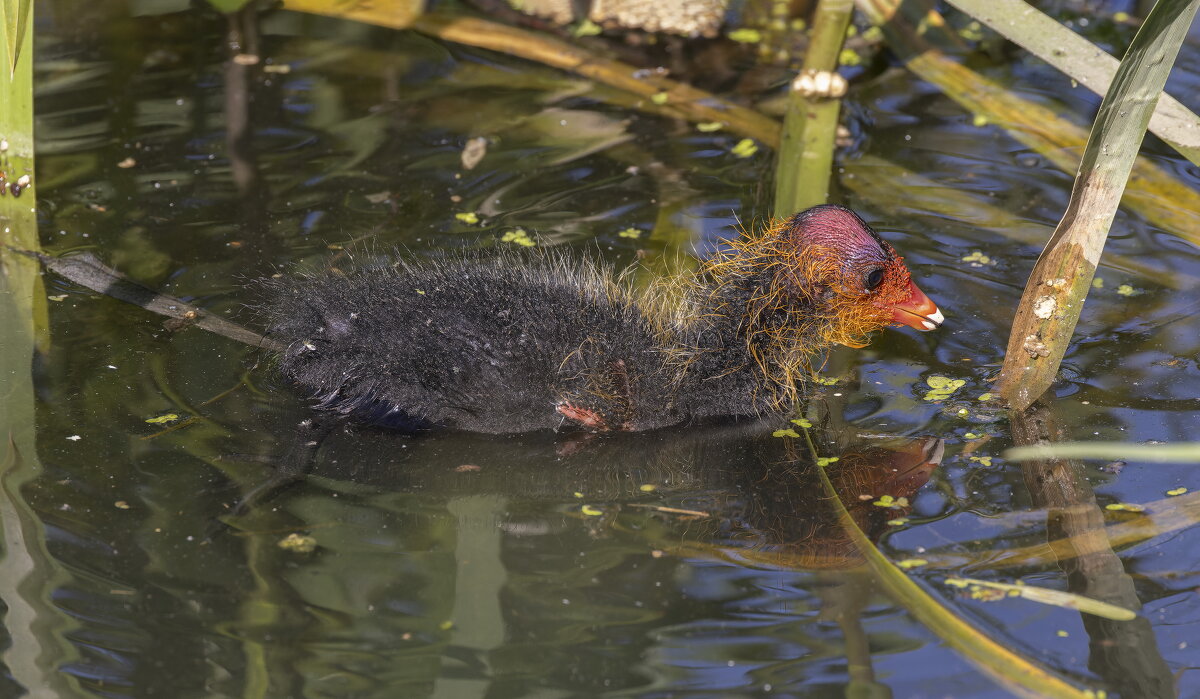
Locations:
{"points": [[473, 152], [803, 422], [163, 419], [1176, 491], [709, 126], [629, 233], [745, 148], [587, 28], [660, 98], [1124, 507], [977, 258], [942, 387], [298, 543], [908, 563], [1127, 290], [825, 461], [518, 237], [891, 501], [1045, 595], [745, 36], [789, 432], [982, 460], [972, 32], [591, 511], [468, 217], [898, 522]]}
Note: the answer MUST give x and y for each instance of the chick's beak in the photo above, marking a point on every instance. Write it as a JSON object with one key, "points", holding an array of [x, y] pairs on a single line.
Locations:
{"points": [[918, 311]]}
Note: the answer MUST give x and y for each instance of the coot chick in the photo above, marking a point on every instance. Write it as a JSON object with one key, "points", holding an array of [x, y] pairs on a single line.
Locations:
{"points": [[510, 344]]}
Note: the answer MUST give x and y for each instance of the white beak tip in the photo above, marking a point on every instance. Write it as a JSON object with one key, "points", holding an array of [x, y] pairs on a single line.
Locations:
{"points": [[934, 320]]}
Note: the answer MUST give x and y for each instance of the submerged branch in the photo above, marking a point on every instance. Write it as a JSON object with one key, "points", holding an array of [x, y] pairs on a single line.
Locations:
{"points": [[88, 271]]}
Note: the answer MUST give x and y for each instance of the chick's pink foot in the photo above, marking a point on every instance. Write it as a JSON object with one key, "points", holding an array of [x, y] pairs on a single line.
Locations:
{"points": [[588, 418]]}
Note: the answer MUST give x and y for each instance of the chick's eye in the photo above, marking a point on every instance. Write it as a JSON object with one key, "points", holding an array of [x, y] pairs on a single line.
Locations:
{"points": [[873, 279]]}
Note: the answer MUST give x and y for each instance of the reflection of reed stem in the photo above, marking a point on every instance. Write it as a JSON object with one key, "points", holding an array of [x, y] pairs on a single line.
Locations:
{"points": [[1124, 653]]}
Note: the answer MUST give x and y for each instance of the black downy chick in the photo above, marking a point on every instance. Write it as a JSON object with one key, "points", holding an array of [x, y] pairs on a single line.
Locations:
{"points": [[510, 344]]}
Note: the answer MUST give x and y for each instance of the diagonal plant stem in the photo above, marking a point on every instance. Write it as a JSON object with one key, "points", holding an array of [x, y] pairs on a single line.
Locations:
{"points": [[1014, 671], [1054, 295], [1083, 61]]}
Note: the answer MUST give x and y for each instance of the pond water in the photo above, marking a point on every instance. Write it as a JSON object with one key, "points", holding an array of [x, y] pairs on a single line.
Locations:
{"points": [[145, 559]]}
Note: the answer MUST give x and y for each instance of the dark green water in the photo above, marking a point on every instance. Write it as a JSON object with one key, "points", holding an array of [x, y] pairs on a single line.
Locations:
{"points": [[540, 565]]}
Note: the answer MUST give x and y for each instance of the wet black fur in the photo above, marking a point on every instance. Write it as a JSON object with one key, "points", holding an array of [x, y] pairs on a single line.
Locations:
{"points": [[497, 345]]}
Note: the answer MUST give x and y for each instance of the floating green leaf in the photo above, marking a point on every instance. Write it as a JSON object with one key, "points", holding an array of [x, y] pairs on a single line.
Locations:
{"points": [[518, 237], [745, 36], [745, 148], [942, 387]]}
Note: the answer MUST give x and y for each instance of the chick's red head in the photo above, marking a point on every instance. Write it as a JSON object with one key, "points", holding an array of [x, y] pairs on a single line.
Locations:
{"points": [[855, 280]]}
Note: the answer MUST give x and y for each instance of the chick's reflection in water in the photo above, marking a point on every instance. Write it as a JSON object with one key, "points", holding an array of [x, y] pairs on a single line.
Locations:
{"points": [[735, 487], [502, 559]]}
